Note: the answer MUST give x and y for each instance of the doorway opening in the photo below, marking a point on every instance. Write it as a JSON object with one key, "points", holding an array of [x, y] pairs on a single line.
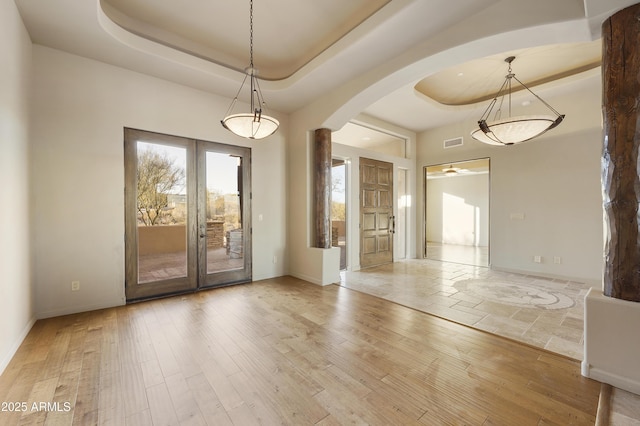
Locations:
{"points": [[457, 212], [187, 214]]}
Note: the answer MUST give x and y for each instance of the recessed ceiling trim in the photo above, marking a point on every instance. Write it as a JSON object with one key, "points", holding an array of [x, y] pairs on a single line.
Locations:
{"points": [[531, 84], [467, 83], [142, 44], [292, 45], [161, 37]]}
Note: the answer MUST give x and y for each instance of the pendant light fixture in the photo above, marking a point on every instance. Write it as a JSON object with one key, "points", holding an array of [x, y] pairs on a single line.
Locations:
{"points": [[512, 130], [253, 124]]}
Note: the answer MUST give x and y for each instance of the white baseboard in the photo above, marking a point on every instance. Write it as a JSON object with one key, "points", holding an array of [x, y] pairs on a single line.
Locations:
{"points": [[611, 344], [620, 382], [6, 358], [307, 278], [591, 282], [77, 309]]}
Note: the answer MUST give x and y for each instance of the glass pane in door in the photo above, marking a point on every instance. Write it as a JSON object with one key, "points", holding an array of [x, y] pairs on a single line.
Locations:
{"points": [[224, 231], [339, 209], [161, 202], [401, 220]]}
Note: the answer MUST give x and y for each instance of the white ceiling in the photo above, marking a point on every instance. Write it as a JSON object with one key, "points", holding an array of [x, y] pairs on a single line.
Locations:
{"points": [[287, 34], [372, 52]]}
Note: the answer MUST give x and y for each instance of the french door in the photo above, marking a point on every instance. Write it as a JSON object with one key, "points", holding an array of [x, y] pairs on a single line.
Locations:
{"points": [[187, 214]]}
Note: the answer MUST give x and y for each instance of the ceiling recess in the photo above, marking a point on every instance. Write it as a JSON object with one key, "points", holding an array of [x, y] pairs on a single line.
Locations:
{"points": [[466, 84]]}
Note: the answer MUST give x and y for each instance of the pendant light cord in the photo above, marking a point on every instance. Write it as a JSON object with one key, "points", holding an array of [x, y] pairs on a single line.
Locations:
{"points": [[251, 35], [251, 69]]}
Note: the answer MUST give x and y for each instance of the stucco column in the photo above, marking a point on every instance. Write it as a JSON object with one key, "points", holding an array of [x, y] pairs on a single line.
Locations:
{"points": [[620, 158], [322, 195]]}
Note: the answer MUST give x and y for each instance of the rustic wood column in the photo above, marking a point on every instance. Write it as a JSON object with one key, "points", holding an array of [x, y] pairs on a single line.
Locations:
{"points": [[322, 173], [620, 157]]}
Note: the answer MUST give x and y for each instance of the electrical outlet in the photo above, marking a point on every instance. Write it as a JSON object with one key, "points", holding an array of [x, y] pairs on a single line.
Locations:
{"points": [[537, 259], [75, 285], [557, 260]]}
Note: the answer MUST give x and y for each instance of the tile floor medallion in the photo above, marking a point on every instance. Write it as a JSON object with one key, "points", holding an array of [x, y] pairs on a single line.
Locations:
{"points": [[542, 312], [516, 294]]}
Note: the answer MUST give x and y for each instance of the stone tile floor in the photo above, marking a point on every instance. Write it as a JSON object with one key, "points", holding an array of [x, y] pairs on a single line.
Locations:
{"points": [[625, 408], [545, 313]]}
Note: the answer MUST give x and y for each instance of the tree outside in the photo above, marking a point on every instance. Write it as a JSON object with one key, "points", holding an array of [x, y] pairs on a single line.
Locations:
{"points": [[161, 183], [338, 207]]}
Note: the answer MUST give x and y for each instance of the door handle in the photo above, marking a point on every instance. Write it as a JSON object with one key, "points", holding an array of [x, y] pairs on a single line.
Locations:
{"points": [[203, 231], [392, 226]]}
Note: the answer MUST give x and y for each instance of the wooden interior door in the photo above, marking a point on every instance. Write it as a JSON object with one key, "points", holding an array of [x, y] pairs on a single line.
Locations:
{"points": [[376, 212]]}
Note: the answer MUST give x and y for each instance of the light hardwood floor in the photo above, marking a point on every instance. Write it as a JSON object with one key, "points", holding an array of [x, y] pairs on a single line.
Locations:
{"points": [[283, 351]]}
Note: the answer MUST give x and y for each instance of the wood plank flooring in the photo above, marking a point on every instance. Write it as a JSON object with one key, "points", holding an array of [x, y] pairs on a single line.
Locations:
{"points": [[283, 351]]}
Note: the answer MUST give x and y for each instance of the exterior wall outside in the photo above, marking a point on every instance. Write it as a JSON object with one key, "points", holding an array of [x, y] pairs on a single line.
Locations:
{"points": [[80, 109], [162, 239], [16, 287]]}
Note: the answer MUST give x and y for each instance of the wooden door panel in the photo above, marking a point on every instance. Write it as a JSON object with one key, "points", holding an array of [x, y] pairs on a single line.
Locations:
{"points": [[383, 221], [369, 222], [384, 176], [376, 212], [384, 243], [368, 175], [369, 198], [385, 199], [369, 245]]}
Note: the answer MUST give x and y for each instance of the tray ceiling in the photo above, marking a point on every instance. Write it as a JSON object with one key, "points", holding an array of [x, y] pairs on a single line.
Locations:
{"points": [[402, 62], [479, 80], [287, 34]]}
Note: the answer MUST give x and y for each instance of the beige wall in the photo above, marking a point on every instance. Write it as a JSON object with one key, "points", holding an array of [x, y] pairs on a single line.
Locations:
{"points": [[80, 109], [554, 181], [358, 90], [16, 295]]}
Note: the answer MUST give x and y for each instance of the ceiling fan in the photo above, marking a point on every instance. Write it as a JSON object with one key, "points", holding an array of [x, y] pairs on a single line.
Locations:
{"points": [[446, 171], [452, 171], [473, 167]]}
